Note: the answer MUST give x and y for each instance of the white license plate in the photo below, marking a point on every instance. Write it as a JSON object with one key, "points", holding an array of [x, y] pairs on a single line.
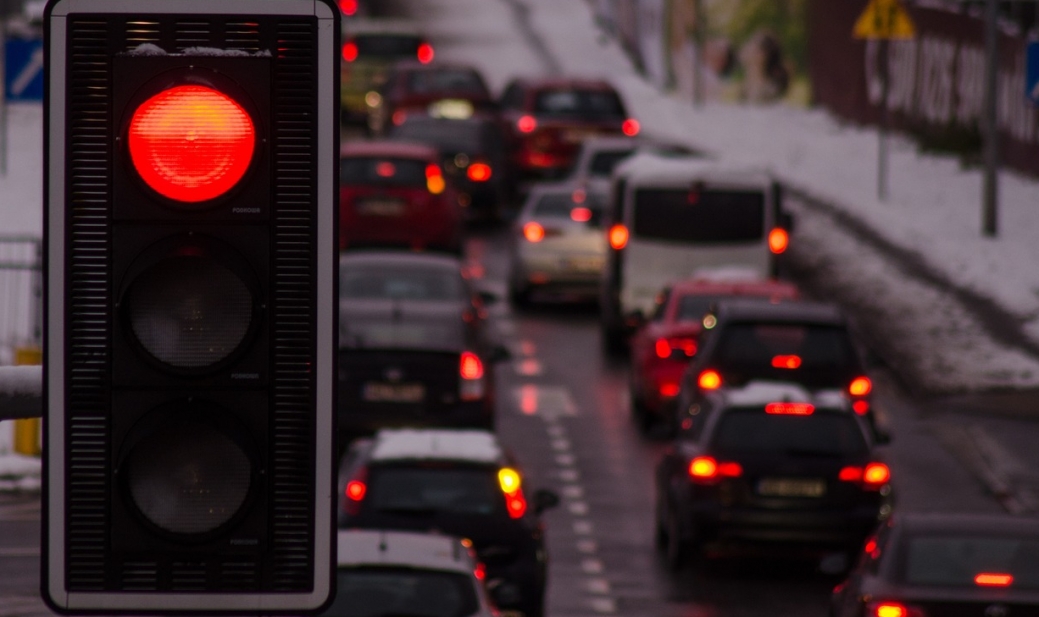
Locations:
{"points": [[578, 135], [791, 487], [583, 264], [381, 207], [378, 392]]}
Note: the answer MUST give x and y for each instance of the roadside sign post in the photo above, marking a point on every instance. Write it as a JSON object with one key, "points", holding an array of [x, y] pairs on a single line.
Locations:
{"points": [[882, 21], [989, 128]]}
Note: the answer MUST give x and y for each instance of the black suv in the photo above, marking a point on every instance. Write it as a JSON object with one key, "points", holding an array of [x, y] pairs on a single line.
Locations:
{"points": [[460, 482], [807, 343], [769, 463]]}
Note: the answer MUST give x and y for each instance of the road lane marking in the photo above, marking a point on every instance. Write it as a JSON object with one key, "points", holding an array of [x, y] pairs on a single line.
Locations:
{"points": [[592, 566], [19, 551], [578, 508], [561, 445], [569, 475], [597, 586], [587, 546], [527, 367], [573, 491], [549, 402], [583, 527], [603, 605]]}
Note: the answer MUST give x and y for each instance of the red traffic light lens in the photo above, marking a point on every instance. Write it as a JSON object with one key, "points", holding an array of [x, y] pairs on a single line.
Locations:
{"points": [[191, 143]]}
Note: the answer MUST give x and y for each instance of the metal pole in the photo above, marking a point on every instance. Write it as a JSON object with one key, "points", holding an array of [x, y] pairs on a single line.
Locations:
{"points": [[698, 95], [882, 59], [990, 129], [3, 88]]}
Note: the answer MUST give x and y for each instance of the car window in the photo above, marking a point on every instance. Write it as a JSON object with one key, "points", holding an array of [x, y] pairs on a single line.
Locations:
{"points": [[818, 434], [446, 135], [562, 205], [692, 307], [573, 102], [785, 351], [386, 45], [512, 98], [955, 561], [382, 171], [434, 489], [405, 282], [374, 591], [446, 80], [708, 217], [603, 162]]}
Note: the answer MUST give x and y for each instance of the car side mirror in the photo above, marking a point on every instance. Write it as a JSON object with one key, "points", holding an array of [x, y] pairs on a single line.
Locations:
{"points": [[487, 297], [544, 499], [635, 320]]}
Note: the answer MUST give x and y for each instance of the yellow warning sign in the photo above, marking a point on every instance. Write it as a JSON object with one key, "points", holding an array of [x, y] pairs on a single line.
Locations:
{"points": [[884, 19]]}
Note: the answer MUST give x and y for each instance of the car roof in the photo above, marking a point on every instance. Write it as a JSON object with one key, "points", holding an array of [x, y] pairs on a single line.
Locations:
{"points": [[751, 285], [475, 446], [364, 547], [366, 257], [382, 25], [574, 83], [413, 65], [760, 309], [387, 147], [759, 393], [648, 166]]}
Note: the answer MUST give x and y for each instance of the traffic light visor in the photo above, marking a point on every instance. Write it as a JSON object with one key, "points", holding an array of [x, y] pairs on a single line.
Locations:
{"points": [[191, 143]]}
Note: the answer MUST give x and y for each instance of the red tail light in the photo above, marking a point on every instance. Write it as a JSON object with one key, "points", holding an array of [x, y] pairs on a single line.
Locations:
{"points": [[578, 196], [355, 491], [533, 232], [479, 172], [892, 609], [349, 51], [480, 572], [872, 477], [630, 127], [709, 379], [527, 124], [618, 237], [787, 362], [666, 347], [191, 143], [988, 579], [705, 468], [425, 53], [399, 117], [435, 180], [778, 240], [669, 389], [348, 7], [860, 386], [580, 215], [790, 409], [860, 407], [511, 485], [470, 367]]}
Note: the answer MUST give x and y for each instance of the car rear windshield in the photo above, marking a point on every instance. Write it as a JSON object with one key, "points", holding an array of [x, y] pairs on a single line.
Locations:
{"points": [[692, 307], [580, 103], [447, 80], [374, 592], [815, 355], [706, 217], [403, 327], [382, 171], [387, 45], [434, 489], [955, 561], [819, 434], [602, 163], [562, 205], [366, 281], [448, 136]]}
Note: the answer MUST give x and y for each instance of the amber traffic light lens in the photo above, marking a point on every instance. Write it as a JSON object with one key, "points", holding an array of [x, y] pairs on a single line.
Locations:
{"points": [[191, 143]]}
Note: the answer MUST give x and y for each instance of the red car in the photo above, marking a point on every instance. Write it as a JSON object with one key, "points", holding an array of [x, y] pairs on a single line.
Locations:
{"points": [[548, 119], [662, 347], [450, 91], [395, 193]]}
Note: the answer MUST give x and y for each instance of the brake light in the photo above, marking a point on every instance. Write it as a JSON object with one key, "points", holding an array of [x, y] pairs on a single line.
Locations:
{"points": [[480, 571], [618, 237], [662, 348], [892, 609], [669, 389], [860, 407], [778, 240], [385, 169], [399, 117], [434, 179], [987, 579], [470, 367], [349, 51], [706, 468], [479, 172], [355, 490], [527, 124], [709, 380], [666, 347], [533, 232], [348, 7], [191, 143], [580, 215], [860, 386], [470, 371], [630, 127], [425, 53], [872, 477], [511, 485], [787, 362], [790, 409]]}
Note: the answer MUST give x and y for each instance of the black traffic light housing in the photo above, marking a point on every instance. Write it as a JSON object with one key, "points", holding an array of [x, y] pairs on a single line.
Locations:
{"points": [[191, 169]]}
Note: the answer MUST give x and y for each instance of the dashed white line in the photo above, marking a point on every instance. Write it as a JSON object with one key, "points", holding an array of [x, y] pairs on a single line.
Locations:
{"points": [[587, 546], [598, 586], [603, 605], [565, 460], [583, 527], [561, 445], [578, 508], [592, 566], [573, 491]]}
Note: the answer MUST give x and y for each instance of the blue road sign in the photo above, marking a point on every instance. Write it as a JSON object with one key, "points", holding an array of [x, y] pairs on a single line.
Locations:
{"points": [[23, 70], [1032, 71]]}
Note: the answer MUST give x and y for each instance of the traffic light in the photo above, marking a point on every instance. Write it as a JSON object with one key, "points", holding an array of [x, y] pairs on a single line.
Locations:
{"points": [[191, 168]]}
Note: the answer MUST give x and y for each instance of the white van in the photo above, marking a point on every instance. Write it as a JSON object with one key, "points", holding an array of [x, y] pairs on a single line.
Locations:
{"points": [[671, 216]]}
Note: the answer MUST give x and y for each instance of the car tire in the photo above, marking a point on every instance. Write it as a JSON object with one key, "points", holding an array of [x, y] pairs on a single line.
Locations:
{"points": [[676, 551], [643, 419], [613, 341], [519, 297]]}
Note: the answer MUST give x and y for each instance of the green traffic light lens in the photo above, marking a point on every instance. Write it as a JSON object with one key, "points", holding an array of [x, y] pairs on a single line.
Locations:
{"points": [[189, 312], [188, 476]]}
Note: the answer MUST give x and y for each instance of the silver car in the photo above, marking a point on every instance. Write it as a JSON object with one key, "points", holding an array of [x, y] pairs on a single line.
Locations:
{"points": [[558, 244]]}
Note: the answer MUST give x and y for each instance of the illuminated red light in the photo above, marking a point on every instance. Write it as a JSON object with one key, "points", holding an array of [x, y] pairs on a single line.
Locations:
{"points": [[399, 117], [349, 51], [533, 232], [876, 474], [480, 572], [581, 215], [470, 366], [425, 53], [348, 7], [706, 468], [790, 409], [435, 180], [191, 143], [669, 390], [355, 490], [618, 237], [479, 172], [988, 579], [516, 504], [578, 196], [786, 362], [778, 240], [527, 124], [860, 386], [709, 380], [890, 609], [385, 169], [630, 127], [662, 348], [850, 474], [860, 407]]}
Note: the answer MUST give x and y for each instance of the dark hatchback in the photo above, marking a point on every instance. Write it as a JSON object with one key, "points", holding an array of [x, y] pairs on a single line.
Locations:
{"points": [[769, 465], [473, 157], [458, 482], [414, 346], [945, 565], [447, 90]]}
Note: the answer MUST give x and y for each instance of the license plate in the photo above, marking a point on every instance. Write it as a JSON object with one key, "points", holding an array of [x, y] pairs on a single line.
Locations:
{"points": [[378, 392], [583, 264], [381, 207], [791, 487], [577, 135]]}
